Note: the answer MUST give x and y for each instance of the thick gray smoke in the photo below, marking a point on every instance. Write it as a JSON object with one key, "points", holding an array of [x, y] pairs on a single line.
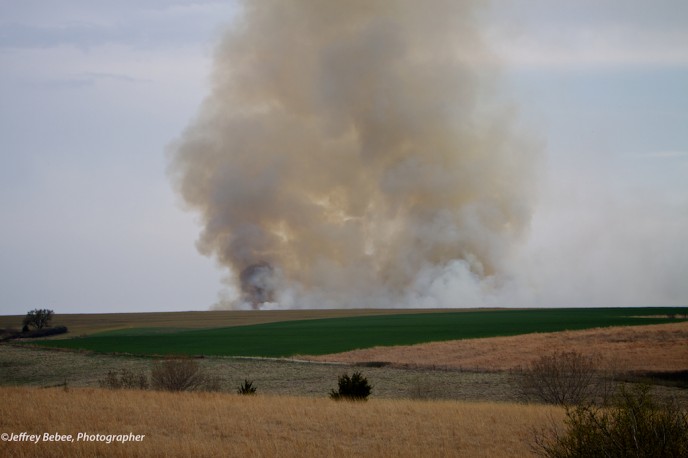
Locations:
{"points": [[353, 154]]}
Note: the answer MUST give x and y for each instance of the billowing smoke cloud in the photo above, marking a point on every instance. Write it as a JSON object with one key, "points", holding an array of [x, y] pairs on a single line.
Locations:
{"points": [[354, 154]]}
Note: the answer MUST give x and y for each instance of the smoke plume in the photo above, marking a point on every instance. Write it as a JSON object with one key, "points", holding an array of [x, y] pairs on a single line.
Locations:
{"points": [[355, 154]]}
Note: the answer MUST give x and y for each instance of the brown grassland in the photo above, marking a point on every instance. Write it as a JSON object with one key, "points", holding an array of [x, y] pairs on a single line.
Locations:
{"points": [[661, 347], [215, 424], [453, 398]]}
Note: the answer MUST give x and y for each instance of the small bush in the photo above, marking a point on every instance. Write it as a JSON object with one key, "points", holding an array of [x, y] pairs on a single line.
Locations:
{"points": [[565, 378], [247, 388], [182, 375], [633, 426], [124, 379], [354, 388]]}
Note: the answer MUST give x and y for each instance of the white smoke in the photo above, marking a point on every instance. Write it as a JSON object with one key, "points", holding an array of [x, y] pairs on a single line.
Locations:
{"points": [[355, 154]]}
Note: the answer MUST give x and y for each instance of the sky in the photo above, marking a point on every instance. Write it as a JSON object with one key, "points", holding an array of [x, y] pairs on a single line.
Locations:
{"points": [[94, 93]]}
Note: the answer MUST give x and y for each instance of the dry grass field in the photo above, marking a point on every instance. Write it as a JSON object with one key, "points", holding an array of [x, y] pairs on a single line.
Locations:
{"points": [[475, 369], [662, 347], [212, 424], [82, 324], [450, 398]]}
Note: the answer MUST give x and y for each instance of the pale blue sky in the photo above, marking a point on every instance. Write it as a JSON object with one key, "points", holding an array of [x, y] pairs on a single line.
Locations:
{"points": [[93, 93]]}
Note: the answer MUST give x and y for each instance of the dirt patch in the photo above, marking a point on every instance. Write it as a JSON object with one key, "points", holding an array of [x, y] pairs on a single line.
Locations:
{"points": [[661, 347]]}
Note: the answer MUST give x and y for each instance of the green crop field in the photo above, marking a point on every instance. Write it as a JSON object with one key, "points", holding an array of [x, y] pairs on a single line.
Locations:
{"points": [[323, 336]]}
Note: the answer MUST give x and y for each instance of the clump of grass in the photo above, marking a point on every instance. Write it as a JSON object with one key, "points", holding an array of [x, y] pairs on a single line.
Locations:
{"points": [[246, 388], [124, 379]]}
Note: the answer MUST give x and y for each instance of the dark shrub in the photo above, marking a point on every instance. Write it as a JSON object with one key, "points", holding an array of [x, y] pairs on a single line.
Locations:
{"points": [[633, 426], [44, 332], [354, 388], [247, 388]]}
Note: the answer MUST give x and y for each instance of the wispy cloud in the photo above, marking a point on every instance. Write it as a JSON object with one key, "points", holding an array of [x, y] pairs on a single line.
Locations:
{"points": [[592, 35], [91, 24], [95, 76], [665, 155], [19, 35], [596, 48], [89, 79]]}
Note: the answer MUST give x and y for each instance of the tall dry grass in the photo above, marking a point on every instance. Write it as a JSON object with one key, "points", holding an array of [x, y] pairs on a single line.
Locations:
{"points": [[214, 424], [660, 347]]}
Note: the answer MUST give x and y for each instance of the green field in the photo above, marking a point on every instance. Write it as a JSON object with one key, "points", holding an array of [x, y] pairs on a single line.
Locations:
{"points": [[323, 336]]}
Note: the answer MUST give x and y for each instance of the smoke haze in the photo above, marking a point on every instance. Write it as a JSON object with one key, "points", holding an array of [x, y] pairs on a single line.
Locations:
{"points": [[356, 154]]}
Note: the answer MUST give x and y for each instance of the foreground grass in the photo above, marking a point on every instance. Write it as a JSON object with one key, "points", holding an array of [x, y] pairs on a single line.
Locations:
{"points": [[323, 336], [212, 424]]}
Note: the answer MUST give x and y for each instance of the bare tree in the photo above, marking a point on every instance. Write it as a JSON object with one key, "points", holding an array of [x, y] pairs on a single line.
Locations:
{"points": [[565, 378], [181, 375]]}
